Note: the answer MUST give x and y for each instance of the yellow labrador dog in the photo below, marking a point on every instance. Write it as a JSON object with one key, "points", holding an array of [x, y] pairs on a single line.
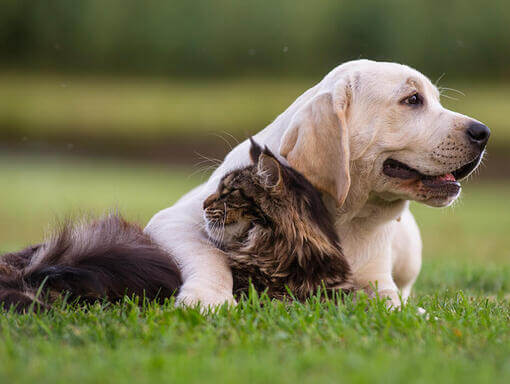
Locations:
{"points": [[371, 136]]}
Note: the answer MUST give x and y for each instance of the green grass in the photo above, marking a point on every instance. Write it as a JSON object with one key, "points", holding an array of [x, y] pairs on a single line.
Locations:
{"points": [[464, 286], [35, 192], [38, 106], [46, 107], [475, 229], [465, 339]]}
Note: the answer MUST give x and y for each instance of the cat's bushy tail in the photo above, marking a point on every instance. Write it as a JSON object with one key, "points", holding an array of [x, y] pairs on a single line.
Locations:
{"points": [[104, 258]]}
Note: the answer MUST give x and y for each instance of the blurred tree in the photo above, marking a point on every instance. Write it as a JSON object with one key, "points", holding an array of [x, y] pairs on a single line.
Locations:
{"points": [[232, 37]]}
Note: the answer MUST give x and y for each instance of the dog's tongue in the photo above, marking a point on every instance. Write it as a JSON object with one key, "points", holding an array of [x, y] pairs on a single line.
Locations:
{"points": [[439, 181], [447, 177]]}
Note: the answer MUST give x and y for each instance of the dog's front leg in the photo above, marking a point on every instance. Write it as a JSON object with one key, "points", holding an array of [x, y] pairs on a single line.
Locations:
{"points": [[207, 279], [376, 277]]}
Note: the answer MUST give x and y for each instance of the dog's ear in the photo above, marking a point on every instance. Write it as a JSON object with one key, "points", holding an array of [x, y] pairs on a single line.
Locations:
{"points": [[316, 143]]}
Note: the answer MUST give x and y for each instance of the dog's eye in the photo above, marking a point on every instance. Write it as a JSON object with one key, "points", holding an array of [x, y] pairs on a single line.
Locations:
{"points": [[414, 99]]}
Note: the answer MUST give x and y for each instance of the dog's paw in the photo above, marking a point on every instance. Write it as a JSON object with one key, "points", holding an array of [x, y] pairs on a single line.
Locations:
{"points": [[392, 298], [207, 297]]}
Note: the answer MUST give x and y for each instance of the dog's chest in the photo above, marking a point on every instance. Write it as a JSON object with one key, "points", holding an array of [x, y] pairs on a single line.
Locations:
{"points": [[368, 239]]}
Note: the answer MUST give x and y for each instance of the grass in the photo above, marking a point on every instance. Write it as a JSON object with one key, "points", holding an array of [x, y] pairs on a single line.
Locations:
{"points": [[464, 286], [47, 107], [35, 192], [474, 230], [465, 339]]}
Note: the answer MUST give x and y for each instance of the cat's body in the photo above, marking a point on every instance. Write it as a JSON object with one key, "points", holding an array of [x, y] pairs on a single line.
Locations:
{"points": [[267, 217], [276, 231]]}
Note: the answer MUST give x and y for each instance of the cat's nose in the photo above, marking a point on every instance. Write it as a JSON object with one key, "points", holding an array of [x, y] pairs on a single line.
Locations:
{"points": [[210, 200]]}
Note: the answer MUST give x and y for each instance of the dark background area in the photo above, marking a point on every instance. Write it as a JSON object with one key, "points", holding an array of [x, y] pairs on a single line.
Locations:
{"points": [[201, 38]]}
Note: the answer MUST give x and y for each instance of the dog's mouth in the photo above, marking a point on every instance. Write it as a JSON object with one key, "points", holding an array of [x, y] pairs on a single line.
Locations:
{"points": [[447, 183]]}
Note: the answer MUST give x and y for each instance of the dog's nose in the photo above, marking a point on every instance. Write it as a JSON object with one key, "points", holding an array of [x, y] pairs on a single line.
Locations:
{"points": [[478, 134]]}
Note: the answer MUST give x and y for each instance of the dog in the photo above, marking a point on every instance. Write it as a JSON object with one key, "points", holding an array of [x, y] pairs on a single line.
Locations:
{"points": [[371, 136]]}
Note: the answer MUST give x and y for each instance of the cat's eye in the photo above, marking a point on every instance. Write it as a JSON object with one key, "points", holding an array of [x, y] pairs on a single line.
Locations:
{"points": [[224, 192]]}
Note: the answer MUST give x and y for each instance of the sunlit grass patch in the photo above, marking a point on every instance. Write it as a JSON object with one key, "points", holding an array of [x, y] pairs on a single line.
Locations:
{"points": [[462, 338]]}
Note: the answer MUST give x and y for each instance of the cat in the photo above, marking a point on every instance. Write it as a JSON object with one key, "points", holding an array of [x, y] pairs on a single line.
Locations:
{"points": [[275, 230], [89, 260]]}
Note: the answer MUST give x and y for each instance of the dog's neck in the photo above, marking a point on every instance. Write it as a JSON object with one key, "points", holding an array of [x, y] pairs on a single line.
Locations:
{"points": [[363, 206]]}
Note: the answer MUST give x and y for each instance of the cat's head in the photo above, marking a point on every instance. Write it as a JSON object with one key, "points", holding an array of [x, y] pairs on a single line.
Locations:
{"points": [[264, 195]]}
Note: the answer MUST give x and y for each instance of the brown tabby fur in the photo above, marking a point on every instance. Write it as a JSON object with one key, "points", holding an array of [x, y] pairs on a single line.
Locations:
{"points": [[288, 239]]}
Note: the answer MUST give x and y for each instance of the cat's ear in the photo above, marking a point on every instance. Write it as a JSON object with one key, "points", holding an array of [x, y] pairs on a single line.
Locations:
{"points": [[255, 151], [269, 170], [316, 142]]}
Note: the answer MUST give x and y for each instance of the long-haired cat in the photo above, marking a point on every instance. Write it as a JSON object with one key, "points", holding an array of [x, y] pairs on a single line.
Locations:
{"points": [[275, 230]]}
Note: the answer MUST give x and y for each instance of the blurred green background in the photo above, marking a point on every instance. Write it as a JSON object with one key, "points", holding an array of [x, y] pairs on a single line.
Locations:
{"points": [[126, 104]]}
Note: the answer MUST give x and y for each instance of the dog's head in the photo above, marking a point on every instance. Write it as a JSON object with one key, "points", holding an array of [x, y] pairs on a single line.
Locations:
{"points": [[382, 125]]}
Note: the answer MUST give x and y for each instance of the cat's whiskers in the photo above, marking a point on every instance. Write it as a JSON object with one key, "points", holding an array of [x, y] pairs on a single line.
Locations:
{"points": [[218, 231], [211, 232], [223, 223]]}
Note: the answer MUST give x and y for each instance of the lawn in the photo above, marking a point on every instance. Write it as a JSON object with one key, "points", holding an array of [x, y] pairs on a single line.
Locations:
{"points": [[64, 107], [464, 286]]}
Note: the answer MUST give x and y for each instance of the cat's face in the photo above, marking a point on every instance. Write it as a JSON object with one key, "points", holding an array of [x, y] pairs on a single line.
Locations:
{"points": [[232, 211], [266, 194]]}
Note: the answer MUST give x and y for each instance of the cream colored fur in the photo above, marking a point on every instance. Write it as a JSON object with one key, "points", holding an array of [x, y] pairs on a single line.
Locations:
{"points": [[338, 133]]}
